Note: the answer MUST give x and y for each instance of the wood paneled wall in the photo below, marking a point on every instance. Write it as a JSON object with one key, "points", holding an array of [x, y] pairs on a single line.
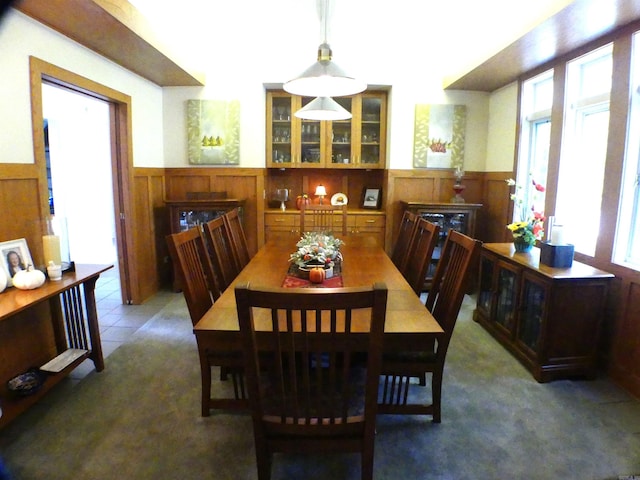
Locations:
{"points": [[19, 196], [20, 200], [437, 186], [153, 186], [149, 227], [622, 334]]}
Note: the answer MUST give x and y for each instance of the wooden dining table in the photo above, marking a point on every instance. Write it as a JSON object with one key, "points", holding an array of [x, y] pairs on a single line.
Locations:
{"points": [[408, 326]]}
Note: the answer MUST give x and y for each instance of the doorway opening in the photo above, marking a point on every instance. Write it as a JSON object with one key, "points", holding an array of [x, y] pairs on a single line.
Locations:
{"points": [[78, 157]]}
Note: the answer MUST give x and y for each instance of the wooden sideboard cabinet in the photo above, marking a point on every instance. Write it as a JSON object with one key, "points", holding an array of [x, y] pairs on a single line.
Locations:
{"points": [[548, 318], [53, 327], [361, 224]]}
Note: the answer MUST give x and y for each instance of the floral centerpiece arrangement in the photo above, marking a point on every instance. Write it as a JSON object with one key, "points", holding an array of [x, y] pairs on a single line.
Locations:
{"points": [[531, 226], [315, 248]]}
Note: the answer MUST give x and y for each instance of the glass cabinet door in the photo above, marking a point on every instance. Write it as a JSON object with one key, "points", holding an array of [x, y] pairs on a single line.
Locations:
{"points": [[485, 291], [446, 221], [195, 217], [506, 297], [371, 131], [532, 313], [341, 152], [311, 140], [281, 134]]}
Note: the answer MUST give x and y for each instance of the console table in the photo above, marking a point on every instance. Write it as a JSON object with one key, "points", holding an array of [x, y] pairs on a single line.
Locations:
{"points": [[548, 318], [54, 326]]}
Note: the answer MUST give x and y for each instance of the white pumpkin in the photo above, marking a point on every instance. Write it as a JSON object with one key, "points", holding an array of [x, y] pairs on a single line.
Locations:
{"points": [[28, 279]]}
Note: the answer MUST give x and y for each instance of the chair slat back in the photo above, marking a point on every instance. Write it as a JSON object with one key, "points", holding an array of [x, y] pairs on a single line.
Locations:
{"points": [[399, 256], [220, 248], [324, 218], [191, 264], [241, 254], [425, 238], [459, 255], [313, 383]]}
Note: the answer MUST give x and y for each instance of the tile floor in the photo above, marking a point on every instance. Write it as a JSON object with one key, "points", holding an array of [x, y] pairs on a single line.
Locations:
{"points": [[119, 321]]}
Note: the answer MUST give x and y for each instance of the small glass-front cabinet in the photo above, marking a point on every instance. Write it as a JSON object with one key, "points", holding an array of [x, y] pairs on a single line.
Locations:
{"points": [[549, 318]]}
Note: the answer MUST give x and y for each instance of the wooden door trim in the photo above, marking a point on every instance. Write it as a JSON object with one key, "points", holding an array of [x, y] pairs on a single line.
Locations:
{"points": [[121, 151]]}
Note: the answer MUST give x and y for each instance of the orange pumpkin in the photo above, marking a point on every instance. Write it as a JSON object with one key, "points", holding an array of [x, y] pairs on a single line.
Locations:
{"points": [[316, 275], [302, 199]]}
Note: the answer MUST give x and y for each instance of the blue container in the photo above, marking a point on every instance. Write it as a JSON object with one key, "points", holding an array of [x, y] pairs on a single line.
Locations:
{"points": [[556, 256]]}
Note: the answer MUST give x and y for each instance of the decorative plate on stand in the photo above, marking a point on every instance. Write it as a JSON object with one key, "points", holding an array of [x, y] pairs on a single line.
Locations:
{"points": [[339, 199]]}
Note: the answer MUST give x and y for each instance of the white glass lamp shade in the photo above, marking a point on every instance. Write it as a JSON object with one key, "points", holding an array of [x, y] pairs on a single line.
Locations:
{"points": [[321, 191], [324, 79], [323, 108]]}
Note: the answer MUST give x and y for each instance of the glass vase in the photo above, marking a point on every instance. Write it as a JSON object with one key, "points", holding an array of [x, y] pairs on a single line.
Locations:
{"points": [[521, 245]]}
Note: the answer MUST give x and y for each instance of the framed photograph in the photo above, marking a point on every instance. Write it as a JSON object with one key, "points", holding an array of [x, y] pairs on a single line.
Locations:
{"points": [[15, 256], [371, 198]]}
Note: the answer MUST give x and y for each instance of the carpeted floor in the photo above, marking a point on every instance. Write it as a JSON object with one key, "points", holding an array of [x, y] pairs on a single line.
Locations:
{"points": [[140, 419]]}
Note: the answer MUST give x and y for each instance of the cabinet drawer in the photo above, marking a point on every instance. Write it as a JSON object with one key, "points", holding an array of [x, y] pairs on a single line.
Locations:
{"points": [[275, 220], [369, 221]]}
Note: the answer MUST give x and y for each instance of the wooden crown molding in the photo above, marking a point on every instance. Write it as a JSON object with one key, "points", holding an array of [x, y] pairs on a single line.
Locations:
{"points": [[116, 30], [579, 23]]}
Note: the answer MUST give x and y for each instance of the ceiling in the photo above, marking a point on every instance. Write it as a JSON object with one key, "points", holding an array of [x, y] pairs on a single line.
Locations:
{"points": [[443, 38], [456, 44]]}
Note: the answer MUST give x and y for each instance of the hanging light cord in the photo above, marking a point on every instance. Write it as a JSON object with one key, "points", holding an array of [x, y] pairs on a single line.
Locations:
{"points": [[324, 51]]}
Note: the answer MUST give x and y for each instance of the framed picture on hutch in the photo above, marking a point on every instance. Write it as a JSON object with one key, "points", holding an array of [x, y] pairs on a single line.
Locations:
{"points": [[371, 198]]}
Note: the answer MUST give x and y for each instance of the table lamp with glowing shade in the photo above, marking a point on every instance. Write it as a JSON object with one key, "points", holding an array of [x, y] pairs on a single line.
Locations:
{"points": [[321, 192]]}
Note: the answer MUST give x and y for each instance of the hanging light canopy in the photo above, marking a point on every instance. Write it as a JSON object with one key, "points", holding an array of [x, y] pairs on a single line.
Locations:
{"points": [[324, 78], [323, 108]]}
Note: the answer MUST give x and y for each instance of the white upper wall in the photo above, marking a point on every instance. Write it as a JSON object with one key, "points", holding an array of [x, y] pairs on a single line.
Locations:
{"points": [[237, 72], [501, 138], [21, 37]]}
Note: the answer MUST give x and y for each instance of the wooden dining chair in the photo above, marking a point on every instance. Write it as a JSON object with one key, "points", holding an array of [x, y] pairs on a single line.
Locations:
{"points": [[419, 252], [220, 248], [400, 252], [459, 254], [324, 218], [240, 248], [310, 392], [191, 263]]}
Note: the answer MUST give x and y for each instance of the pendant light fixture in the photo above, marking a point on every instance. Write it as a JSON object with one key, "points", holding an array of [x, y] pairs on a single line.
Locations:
{"points": [[324, 78]]}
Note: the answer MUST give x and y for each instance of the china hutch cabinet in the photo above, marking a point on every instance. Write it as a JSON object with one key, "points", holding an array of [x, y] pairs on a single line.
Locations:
{"points": [[359, 142], [548, 318], [458, 216], [185, 214]]}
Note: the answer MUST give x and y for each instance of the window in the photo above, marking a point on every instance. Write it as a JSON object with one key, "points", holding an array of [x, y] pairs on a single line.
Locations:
{"points": [[627, 243], [584, 147], [535, 127]]}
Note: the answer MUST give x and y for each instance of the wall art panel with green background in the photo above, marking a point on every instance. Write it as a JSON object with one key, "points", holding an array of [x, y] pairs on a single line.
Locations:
{"points": [[213, 132], [438, 140]]}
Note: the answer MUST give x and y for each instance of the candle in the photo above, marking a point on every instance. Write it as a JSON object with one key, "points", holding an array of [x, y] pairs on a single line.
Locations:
{"points": [[51, 247], [557, 235]]}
